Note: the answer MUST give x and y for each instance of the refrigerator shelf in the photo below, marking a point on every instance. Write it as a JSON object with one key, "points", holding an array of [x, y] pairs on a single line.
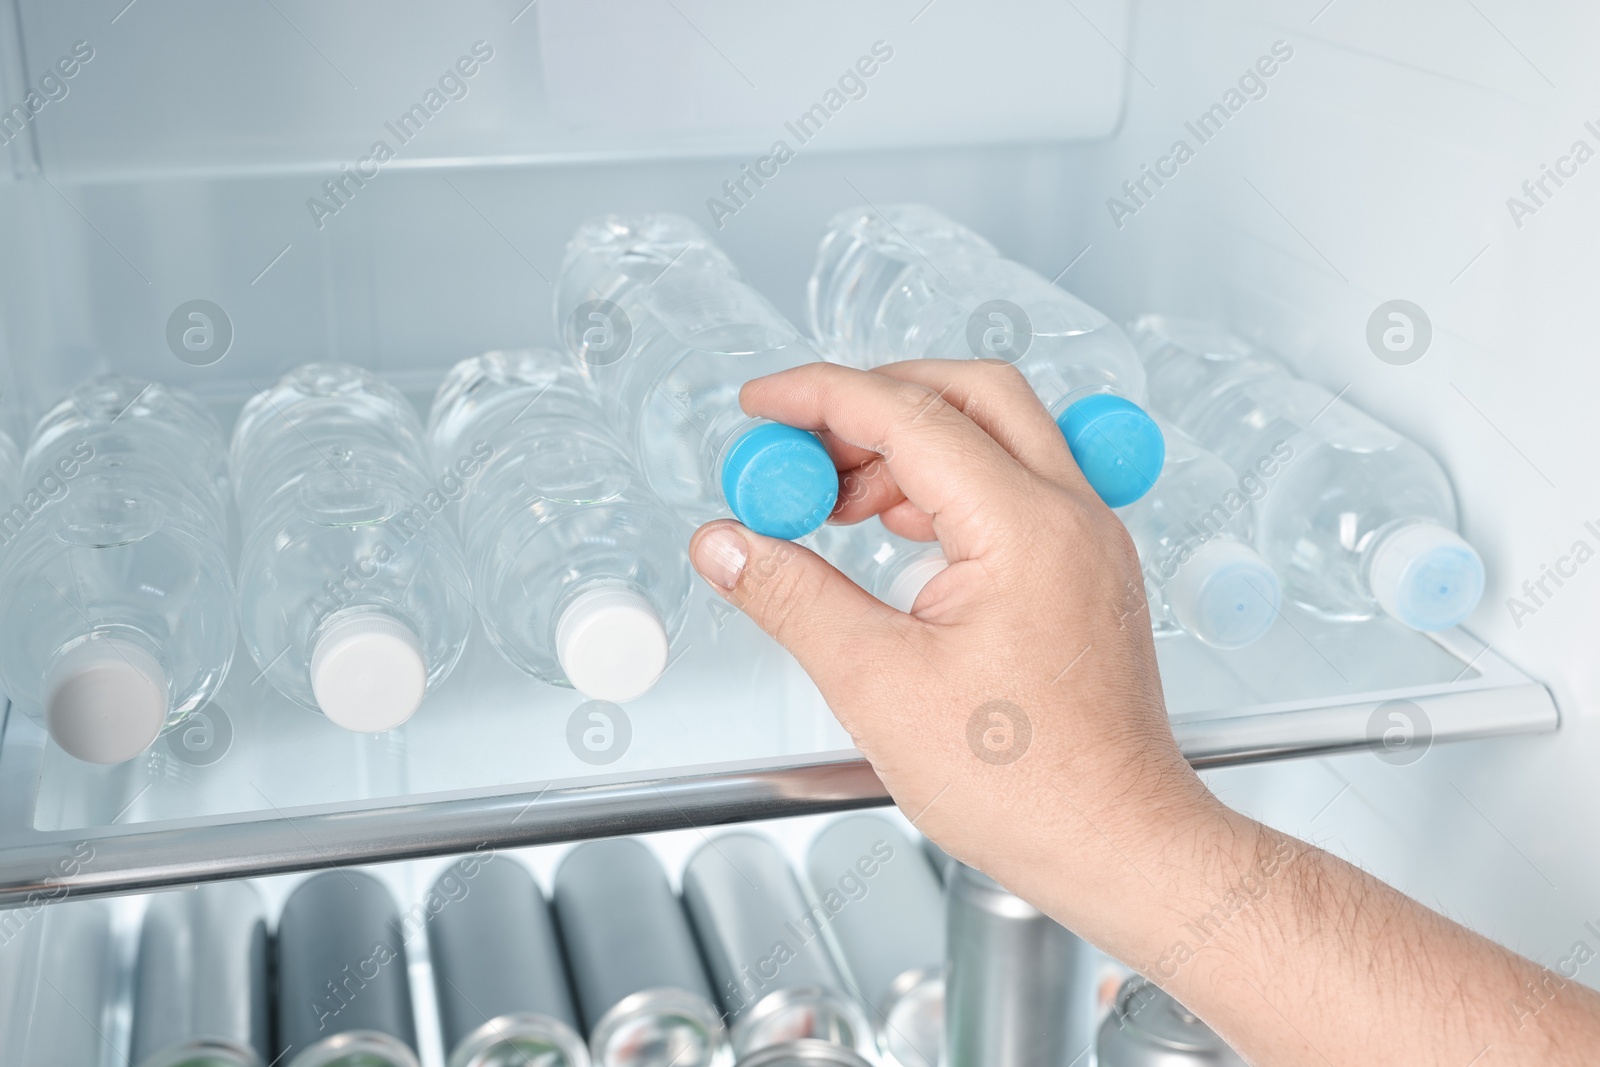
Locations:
{"points": [[734, 732]]}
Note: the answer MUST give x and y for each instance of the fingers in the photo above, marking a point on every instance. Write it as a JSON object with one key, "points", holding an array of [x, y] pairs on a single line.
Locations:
{"points": [[865, 491], [932, 454], [825, 620], [1000, 401], [904, 519]]}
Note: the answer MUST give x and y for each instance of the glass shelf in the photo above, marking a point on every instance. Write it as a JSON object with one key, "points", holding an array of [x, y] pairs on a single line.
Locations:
{"points": [[734, 731]]}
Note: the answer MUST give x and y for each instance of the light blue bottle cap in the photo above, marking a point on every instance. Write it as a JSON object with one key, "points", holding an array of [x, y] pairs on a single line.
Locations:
{"points": [[780, 481], [1118, 447], [1426, 576], [1226, 595]]}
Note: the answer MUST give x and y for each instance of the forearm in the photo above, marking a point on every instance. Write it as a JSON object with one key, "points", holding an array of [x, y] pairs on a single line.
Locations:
{"points": [[1269, 929]]}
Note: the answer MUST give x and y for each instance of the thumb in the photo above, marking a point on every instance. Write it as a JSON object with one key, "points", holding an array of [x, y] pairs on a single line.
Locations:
{"points": [[823, 618]]}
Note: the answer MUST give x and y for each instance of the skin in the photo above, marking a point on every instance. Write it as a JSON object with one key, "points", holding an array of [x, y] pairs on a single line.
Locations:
{"points": [[1016, 716]]}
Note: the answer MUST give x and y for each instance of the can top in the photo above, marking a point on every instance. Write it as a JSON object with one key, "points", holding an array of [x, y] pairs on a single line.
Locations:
{"points": [[656, 1026], [525, 1038], [978, 890], [1147, 1028], [204, 1054], [357, 1048], [804, 1053], [800, 1013]]}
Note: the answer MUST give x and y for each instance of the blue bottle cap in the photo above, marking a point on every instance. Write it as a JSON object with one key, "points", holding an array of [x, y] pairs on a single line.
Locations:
{"points": [[780, 481], [1118, 447]]}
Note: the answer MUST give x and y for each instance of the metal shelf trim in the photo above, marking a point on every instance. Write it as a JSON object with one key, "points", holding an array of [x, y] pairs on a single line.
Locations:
{"points": [[176, 854]]}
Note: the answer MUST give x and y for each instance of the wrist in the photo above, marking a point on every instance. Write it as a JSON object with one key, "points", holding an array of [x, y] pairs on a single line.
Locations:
{"points": [[1164, 886]]}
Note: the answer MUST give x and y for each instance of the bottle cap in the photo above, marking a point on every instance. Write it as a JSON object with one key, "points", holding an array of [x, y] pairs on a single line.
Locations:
{"points": [[1225, 594], [1147, 1028], [368, 672], [106, 700], [1426, 576], [780, 481], [907, 585], [1117, 445], [611, 644]]}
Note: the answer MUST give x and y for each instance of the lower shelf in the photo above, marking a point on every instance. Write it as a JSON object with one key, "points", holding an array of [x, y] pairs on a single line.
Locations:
{"points": [[494, 764]]}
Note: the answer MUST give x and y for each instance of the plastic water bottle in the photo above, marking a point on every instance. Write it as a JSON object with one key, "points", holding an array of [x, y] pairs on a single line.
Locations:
{"points": [[890, 567], [1355, 518], [353, 594], [670, 332], [1194, 533], [580, 573], [119, 604], [612, 255], [909, 283]]}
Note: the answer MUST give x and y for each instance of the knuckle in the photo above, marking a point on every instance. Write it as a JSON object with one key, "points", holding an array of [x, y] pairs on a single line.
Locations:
{"points": [[997, 387], [914, 402], [1000, 375]]}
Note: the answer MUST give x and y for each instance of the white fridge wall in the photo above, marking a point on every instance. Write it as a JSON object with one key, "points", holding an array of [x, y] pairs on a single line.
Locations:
{"points": [[1378, 166]]}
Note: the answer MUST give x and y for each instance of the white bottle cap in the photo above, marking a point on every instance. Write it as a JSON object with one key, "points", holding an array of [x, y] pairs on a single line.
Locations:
{"points": [[908, 584], [106, 700], [368, 672], [1426, 576], [1225, 594], [611, 643]]}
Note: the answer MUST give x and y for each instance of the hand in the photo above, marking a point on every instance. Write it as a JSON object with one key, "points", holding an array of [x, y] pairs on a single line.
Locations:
{"points": [[1018, 706], [1016, 716]]}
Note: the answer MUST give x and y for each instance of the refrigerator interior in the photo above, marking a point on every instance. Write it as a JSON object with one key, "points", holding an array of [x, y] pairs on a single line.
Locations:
{"points": [[187, 160]]}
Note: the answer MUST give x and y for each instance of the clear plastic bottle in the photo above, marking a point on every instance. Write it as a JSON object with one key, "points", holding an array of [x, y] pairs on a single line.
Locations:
{"points": [[890, 567], [1356, 519], [1194, 531], [612, 255], [119, 604], [670, 332], [909, 283], [353, 594], [580, 573]]}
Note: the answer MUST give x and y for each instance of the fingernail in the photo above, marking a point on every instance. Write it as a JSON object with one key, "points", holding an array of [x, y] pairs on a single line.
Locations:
{"points": [[720, 556]]}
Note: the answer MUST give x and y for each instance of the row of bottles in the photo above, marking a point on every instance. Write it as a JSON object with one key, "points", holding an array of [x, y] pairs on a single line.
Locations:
{"points": [[546, 495], [1245, 485], [368, 543], [549, 495], [1357, 520], [863, 958]]}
